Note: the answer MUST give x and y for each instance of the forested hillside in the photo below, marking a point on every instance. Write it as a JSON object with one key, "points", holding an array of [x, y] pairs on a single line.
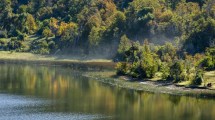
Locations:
{"points": [[89, 26]]}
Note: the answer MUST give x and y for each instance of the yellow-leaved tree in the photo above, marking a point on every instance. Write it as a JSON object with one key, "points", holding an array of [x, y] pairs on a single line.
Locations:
{"points": [[31, 24]]}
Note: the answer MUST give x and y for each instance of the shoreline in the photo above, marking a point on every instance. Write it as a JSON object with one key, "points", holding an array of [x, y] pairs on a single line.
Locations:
{"points": [[164, 87], [161, 87], [29, 58], [101, 65]]}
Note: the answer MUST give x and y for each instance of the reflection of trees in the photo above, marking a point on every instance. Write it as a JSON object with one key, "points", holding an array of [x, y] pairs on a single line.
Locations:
{"points": [[71, 92], [175, 99]]}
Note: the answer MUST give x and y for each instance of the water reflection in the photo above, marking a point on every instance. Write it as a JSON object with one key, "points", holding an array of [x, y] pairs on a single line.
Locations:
{"points": [[15, 107], [69, 93]]}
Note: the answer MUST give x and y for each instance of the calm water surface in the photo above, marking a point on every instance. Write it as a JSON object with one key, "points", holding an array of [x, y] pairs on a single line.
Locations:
{"points": [[53, 93]]}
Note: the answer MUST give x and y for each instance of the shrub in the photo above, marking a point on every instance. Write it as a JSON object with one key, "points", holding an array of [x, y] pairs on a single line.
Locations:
{"points": [[208, 63], [176, 71], [165, 70], [3, 34], [122, 68], [40, 47], [148, 62], [47, 33], [134, 70], [147, 69], [198, 78], [3, 43], [14, 45], [42, 51]]}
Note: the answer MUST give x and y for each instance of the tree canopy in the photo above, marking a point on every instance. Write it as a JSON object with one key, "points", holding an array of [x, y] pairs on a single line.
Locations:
{"points": [[88, 24]]}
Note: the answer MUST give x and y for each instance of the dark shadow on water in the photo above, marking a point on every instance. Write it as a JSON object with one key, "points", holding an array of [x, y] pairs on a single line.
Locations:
{"points": [[174, 99]]}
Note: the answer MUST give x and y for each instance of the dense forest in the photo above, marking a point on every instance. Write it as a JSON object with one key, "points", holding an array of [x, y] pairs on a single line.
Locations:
{"points": [[88, 25], [171, 36]]}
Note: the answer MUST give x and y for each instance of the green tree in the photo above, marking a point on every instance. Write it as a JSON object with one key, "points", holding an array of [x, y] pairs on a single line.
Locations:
{"points": [[6, 14], [165, 70], [176, 71], [124, 45], [201, 37], [95, 36], [148, 62]]}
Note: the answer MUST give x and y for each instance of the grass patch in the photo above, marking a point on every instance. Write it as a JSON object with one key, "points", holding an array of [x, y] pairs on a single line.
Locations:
{"points": [[184, 83], [30, 56], [209, 77]]}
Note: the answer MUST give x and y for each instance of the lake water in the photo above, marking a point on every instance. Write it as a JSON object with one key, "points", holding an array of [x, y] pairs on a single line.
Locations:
{"points": [[52, 93]]}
